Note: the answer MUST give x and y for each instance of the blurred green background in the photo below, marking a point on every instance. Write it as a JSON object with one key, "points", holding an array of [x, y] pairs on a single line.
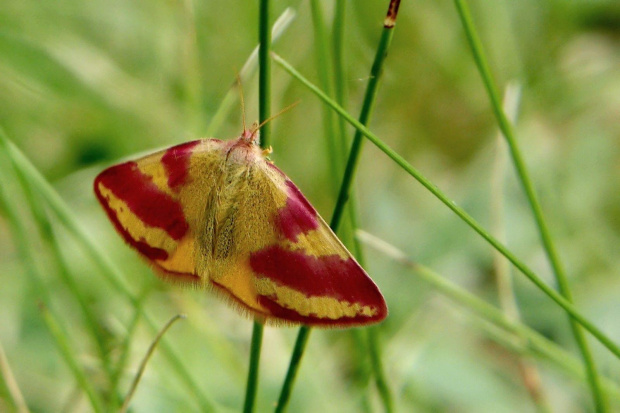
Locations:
{"points": [[86, 83]]}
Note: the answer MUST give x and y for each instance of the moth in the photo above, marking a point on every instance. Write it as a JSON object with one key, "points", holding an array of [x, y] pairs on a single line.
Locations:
{"points": [[219, 215]]}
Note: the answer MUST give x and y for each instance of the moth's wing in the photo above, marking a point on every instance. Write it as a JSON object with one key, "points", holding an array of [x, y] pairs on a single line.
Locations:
{"points": [[241, 227], [285, 264], [153, 203]]}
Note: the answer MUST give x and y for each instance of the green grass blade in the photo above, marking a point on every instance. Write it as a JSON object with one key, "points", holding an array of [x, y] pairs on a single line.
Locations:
{"points": [[378, 371], [264, 112], [68, 353], [125, 346], [302, 338], [359, 342], [324, 70], [340, 77], [246, 73], [111, 273], [14, 396], [369, 101], [528, 187], [460, 212], [349, 173], [528, 371], [11, 210], [145, 360], [264, 72], [293, 368], [252, 381], [361, 372], [534, 343], [47, 234], [21, 238]]}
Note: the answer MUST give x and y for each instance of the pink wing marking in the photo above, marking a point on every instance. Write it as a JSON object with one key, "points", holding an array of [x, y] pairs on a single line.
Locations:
{"points": [[153, 207], [176, 163], [326, 276], [297, 216]]}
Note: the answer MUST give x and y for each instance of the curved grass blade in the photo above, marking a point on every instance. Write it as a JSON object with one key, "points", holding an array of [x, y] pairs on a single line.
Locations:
{"points": [[460, 212], [147, 356], [67, 352], [109, 270], [13, 393], [528, 187], [533, 343]]}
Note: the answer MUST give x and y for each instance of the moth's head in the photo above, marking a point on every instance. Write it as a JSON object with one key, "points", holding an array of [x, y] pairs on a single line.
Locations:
{"points": [[251, 135], [245, 149]]}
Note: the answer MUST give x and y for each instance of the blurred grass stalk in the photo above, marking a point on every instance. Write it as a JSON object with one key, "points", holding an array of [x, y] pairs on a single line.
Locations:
{"points": [[248, 70], [21, 238], [37, 184], [69, 354], [528, 187], [520, 338], [110, 272], [124, 347], [528, 371], [346, 185], [324, 70], [460, 212], [45, 232], [9, 388], [364, 341]]}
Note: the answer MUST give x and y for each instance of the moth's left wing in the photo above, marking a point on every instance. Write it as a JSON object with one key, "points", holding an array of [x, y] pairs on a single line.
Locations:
{"points": [[154, 203]]}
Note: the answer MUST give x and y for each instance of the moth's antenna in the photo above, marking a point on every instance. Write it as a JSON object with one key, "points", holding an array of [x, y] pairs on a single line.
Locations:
{"points": [[241, 99], [269, 119]]}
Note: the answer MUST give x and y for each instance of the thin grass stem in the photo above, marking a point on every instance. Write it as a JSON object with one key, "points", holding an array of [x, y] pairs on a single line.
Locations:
{"points": [[374, 350], [460, 212], [46, 232], [341, 202], [533, 342], [124, 348], [360, 337], [293, 368], [190, 64], [362, 368], [346, 233], [264, 112], [145, 360], [324, 70], [20, 236], [528, 370], [9, 204], [69, 354], [252, 382], [109, 270], [7, 379], [264, 71], [528, 187], [347, 183], [367, 107], [247, 71], [340, 78]]}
